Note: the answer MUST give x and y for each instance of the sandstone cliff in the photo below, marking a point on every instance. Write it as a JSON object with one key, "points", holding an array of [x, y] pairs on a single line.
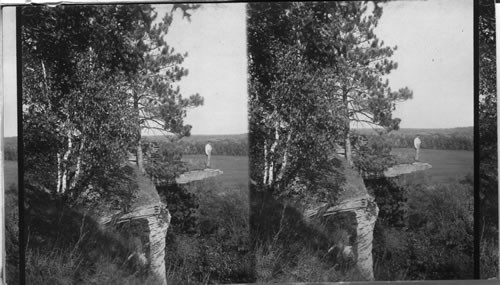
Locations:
{"points": [[148, 220], [355, 198]]}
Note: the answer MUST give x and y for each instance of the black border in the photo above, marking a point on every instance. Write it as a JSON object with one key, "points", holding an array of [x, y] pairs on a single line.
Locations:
{"points": [[477, 212]]}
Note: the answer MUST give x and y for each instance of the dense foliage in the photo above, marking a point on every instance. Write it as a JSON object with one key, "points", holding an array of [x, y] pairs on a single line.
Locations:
{"points": [[67, 80], [285, 88], [210, 243], [424, 231], [163, 163], [488, 166], [372, 154]]}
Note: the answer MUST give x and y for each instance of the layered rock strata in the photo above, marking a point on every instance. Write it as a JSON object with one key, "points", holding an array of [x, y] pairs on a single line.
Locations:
{"points": [[150, 223], [148, 220], [401, 169], [354, 197], [195, 175]]}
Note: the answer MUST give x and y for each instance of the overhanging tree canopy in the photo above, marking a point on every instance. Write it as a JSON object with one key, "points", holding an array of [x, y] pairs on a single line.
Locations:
{"points": [[314, 68], [91, 74]]}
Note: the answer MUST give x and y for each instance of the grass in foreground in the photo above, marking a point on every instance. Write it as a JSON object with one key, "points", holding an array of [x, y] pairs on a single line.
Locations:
{"points": [[65, 244]]}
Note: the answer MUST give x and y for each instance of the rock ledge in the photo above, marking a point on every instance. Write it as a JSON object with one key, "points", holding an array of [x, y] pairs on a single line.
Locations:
{"points": [[401, 169]]}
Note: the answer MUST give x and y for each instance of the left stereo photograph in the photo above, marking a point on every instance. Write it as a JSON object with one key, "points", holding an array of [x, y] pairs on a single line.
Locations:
{"points": [[9, 213], [135, 149]]}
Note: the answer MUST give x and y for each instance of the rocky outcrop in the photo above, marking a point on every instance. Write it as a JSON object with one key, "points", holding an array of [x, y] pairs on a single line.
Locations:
{"points": [[195, 175], [366, 212], [354, 198], [148, 220], [150, 223], [401, 169]]}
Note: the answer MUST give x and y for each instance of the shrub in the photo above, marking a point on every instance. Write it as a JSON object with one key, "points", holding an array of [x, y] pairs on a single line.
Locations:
{"points": [[12, 234], [443, 237], [488, 258], [289, 248], [216, 249], [437, 242], [164, 164], [182, 205], [374, 156]]}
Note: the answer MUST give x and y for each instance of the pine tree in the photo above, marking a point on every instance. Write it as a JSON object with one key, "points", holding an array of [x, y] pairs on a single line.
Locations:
{"points": [[359, 72], [156, 99]]}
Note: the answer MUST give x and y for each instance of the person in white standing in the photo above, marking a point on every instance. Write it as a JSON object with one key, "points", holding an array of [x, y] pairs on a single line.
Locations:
{"points": [[417, 143], [208, 151]]}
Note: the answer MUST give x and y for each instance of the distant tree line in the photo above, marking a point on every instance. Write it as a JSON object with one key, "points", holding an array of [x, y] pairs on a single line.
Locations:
{"points": [[222, 147], [234, 147], [240, 147], [433, 141]]}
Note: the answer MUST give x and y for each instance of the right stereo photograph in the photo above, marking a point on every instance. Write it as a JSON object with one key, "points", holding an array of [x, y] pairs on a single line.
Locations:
{"points": [[361, 139]]}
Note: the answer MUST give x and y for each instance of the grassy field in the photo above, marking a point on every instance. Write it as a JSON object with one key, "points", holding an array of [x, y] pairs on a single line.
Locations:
{"points": [[235, 168], [446, 164]]}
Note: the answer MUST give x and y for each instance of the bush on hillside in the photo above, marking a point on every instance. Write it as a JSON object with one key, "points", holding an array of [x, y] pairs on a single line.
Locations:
{"points": [[488, 258], [163, 163], [66, 246], [373, 156], [217, 249], [290, 248], [438, 241], [182, 205], [12, 234]]}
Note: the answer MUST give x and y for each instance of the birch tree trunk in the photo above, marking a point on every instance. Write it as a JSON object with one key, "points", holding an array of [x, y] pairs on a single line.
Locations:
{"points": [[59, 172], [285, 157], [78, 171], [272, 155], [266, 163], [64, 164]]}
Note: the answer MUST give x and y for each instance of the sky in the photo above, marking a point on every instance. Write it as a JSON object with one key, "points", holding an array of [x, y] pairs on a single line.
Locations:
{"points": [[9, 72], [215, 40], [435, 58]]}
